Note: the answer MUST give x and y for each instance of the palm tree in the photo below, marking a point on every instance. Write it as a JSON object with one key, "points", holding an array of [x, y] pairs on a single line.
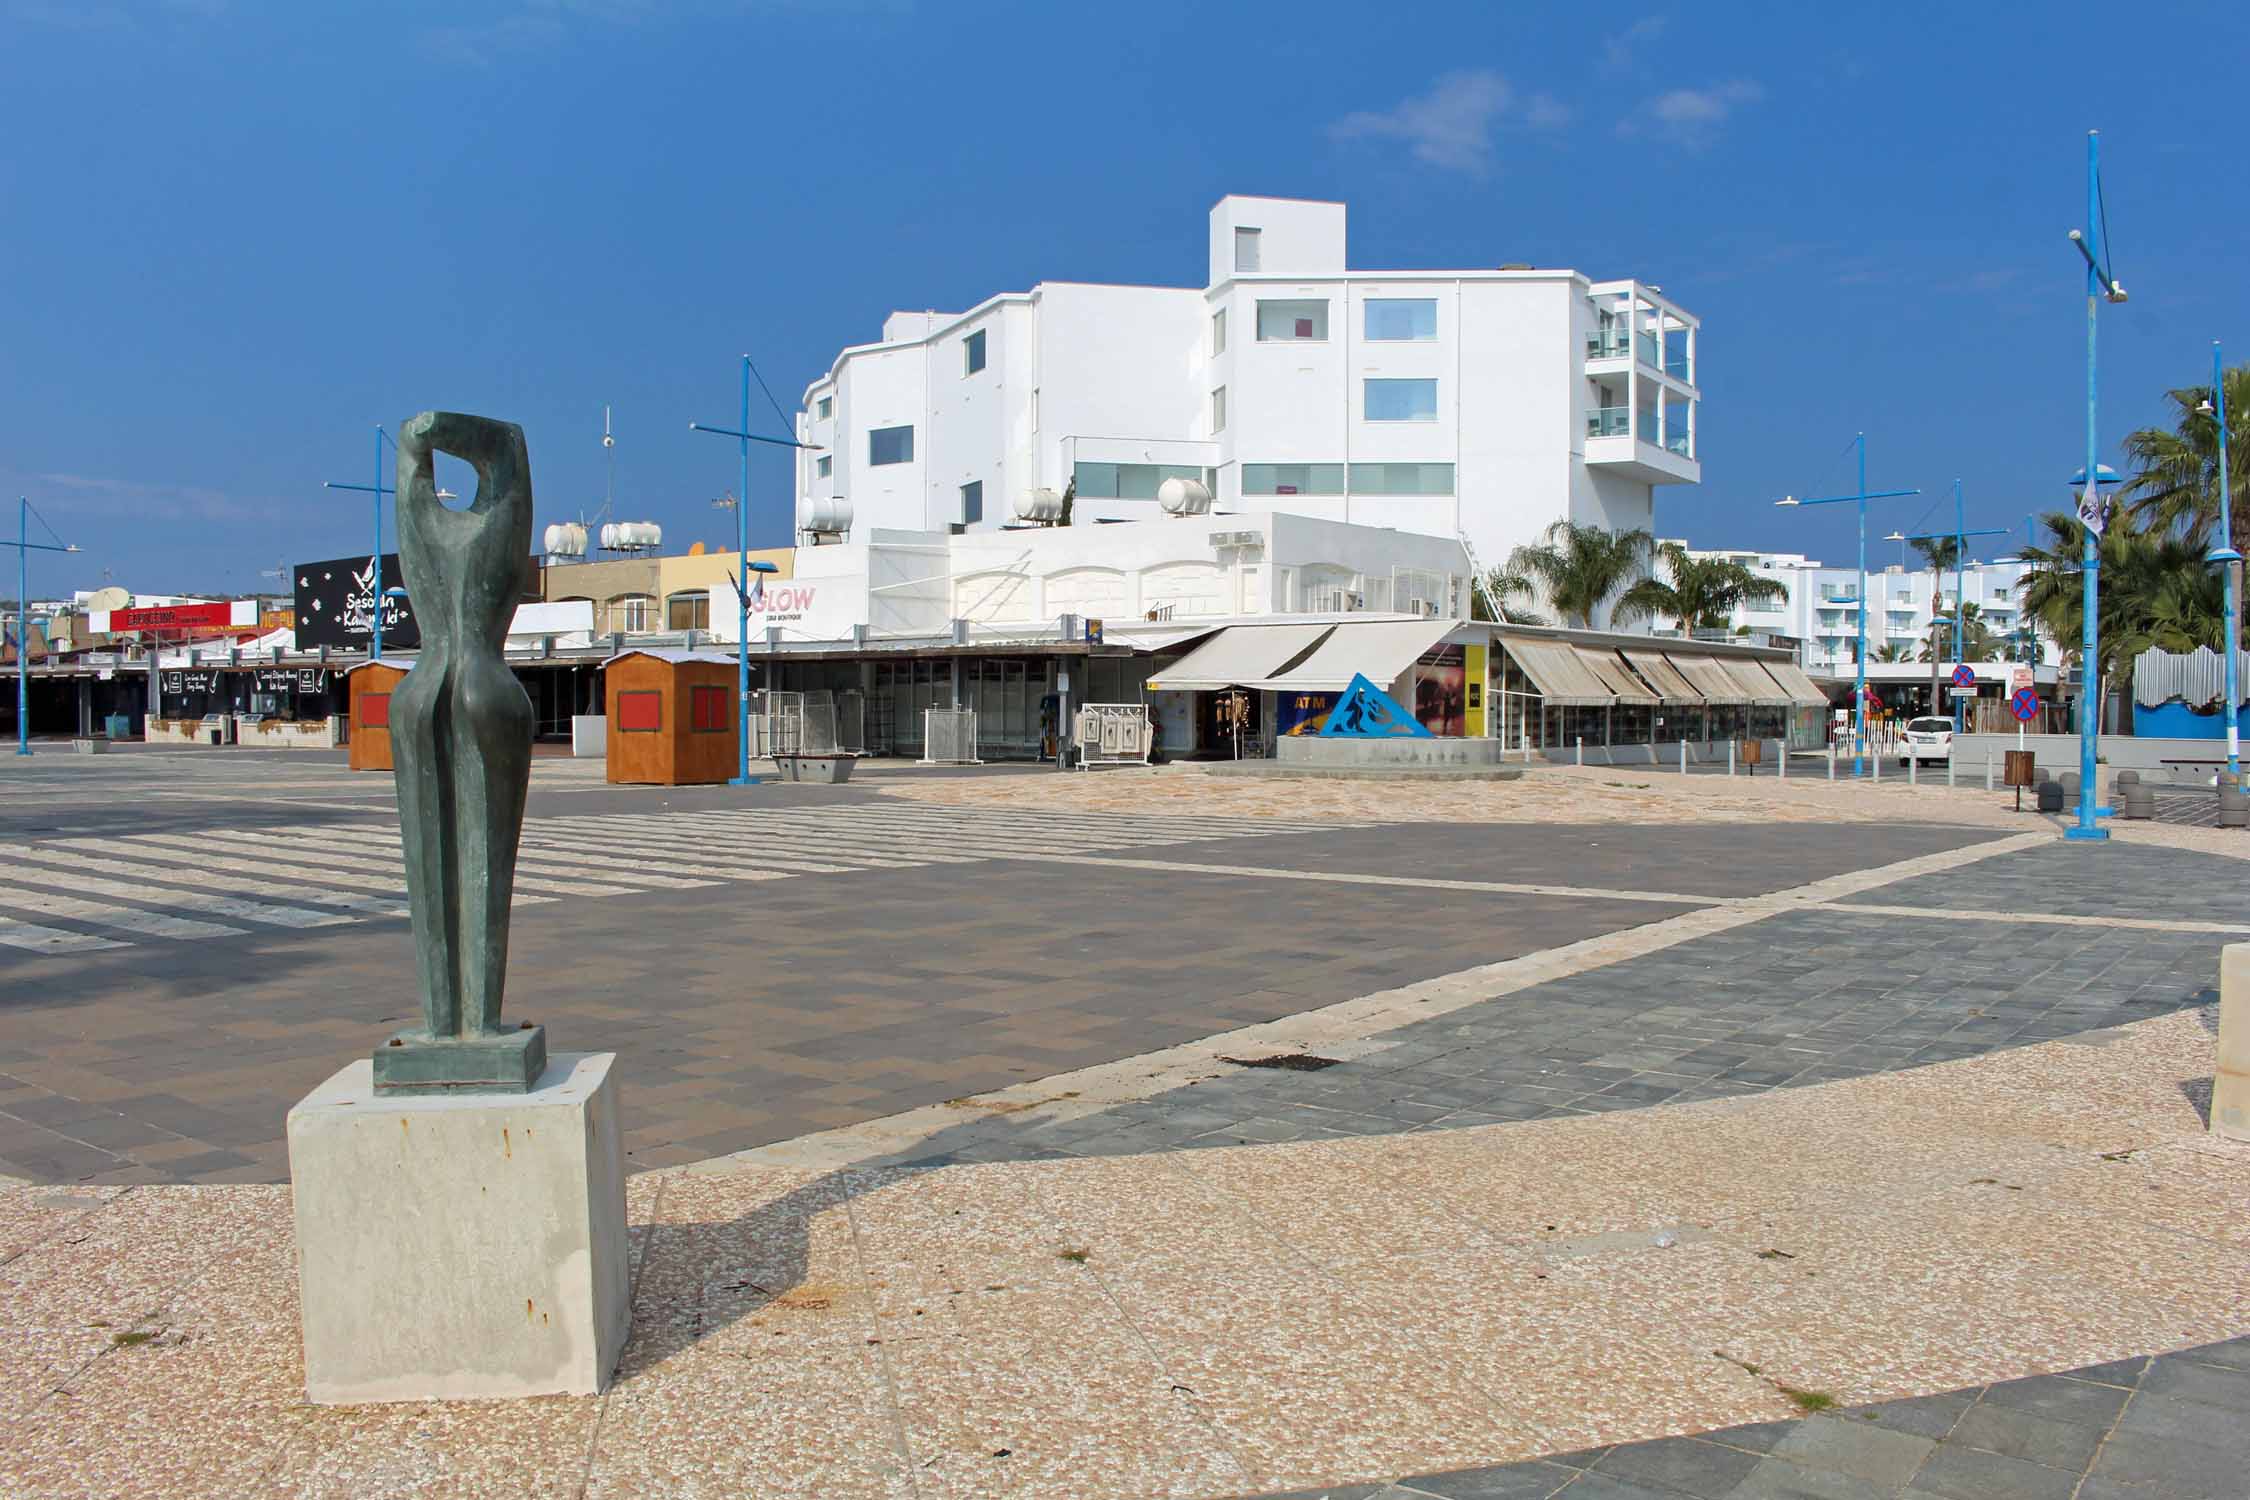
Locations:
{"points": [[1895, 651], [2155, 590], [1940, 552], [1978, 643], [1506, 591], [1703, 592], [2175, 482], [1580, 569]]}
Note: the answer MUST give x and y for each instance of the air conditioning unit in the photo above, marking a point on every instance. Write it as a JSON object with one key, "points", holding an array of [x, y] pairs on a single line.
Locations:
{"points": [[1424, 607]]}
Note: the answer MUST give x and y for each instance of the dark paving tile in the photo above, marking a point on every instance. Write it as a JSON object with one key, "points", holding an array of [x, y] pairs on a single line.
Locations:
{"points": [[2060, 1399], [1964, 1473], [1688, 1466], [1526, 1481], [2019, 1434]]}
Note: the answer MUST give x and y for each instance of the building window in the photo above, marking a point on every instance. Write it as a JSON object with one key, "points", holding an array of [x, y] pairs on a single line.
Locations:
{"points": [[824, 408], [972, 353], [1401, 319], [1400, 401], [890, 445], [1246, 249], [632, 613], [1292, 479], [1218, 410], [1292, 322], [1402, 479], [1132, 481], [688, 610], [824, 466], [1219, 333], [972, 502], [640, 712], [707, 710]]}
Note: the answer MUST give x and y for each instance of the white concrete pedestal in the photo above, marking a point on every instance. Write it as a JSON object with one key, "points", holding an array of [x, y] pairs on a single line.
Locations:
{"points": [[2230, 1082], [453, 1247]]}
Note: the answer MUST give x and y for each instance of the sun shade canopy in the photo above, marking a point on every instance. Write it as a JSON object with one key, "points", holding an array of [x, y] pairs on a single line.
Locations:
{"points": [[1378, 650], [1666, 678], [1556, 669], [1614, 675], [1238, 656]]}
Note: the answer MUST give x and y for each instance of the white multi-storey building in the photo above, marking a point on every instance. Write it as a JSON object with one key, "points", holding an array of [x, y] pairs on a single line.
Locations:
{"points": [[1902, 601], [1477, 404]]}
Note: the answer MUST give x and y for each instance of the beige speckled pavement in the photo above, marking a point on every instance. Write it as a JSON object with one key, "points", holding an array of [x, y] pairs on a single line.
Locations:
{"points": [[1251, 1319]]}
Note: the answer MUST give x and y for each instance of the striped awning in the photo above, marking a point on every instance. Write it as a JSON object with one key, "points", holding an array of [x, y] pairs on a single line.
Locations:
{"points": [[1758, 685], [1614, 675], [1556, 670], [1709, 676], [1802, 690], [1671, 687]]}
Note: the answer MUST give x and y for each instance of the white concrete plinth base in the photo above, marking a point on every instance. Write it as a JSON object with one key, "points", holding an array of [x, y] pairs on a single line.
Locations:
{"points": [[2230, 1082], [461, 1247]]}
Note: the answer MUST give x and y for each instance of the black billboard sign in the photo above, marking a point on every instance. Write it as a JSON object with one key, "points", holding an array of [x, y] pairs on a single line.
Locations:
{"points": [[336, 604]]}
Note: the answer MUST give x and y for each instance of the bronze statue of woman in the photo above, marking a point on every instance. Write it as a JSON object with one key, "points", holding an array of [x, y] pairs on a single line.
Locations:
{"points": [[461, 728]]}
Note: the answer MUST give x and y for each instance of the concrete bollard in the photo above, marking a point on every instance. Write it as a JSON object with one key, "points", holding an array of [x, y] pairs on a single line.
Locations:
{"points": [[1875, 766], [1782, 755], [1988, 770], [1683, 749], [1913, 770], [1831, 762], [1582, 749], [1949, 781], [1730, 757], [2230, 1084]]}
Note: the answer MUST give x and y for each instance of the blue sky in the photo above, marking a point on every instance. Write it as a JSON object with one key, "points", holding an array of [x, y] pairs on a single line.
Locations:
{"points": [[242, 232]]}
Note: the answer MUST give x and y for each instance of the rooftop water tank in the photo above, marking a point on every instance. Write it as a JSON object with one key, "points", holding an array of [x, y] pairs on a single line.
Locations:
{"points": [[824, 515], [1184, 497], [1043, 506], [632, 536], [566, 540]]}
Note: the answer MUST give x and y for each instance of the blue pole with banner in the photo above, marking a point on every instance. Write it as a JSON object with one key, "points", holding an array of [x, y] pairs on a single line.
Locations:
{"points": [[2100, 286], [374, 492], [2228, 561]]}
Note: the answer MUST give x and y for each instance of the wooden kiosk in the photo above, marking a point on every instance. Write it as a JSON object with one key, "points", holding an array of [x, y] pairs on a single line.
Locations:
{"points": [[370, 685], [672, 717]]}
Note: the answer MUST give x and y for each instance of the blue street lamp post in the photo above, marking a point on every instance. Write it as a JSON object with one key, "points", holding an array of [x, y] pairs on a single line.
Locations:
{"points": [[745, 437], [2100, 285], [1960, 536], [1860, 498], [25, 546], [378, 490], [2228, 560]]}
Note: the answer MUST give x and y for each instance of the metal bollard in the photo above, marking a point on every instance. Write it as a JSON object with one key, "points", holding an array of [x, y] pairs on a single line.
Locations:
{"points": [[1582, 749], [1831, 762], [1949, 782], [1730, 757], [1874, 765], [1988, 771], [1913, 770], [1683, 757], [1784, 758]]}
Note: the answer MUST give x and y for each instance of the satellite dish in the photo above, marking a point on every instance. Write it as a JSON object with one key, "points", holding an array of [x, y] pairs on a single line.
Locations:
{"points": [[111, 597]]}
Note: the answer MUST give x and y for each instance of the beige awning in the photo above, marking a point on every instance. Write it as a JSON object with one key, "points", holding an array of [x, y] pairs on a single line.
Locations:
{"points": [[1614, 675], [1379, 650], [1802, 690], [1671, 687], [1238, 656], [1709, 677], [1757, 685], [1555, 669]]}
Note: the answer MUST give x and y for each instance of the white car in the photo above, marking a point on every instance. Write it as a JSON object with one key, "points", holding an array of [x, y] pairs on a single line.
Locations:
{"points": [[1927, 741]]}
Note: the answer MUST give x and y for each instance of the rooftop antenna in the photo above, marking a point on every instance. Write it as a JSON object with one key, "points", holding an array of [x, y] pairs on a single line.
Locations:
{"points": [[609, 455]]}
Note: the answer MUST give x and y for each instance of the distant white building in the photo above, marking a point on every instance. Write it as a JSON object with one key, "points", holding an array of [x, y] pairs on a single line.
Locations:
{"points": [[1478, 403], [1902, 601]]}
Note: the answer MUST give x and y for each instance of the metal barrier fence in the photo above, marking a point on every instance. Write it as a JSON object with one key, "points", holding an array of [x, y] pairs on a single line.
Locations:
{"points": [[949, 737], [1113, 734]]}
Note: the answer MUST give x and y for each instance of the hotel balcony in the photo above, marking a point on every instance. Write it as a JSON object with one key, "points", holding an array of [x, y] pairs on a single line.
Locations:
{"points": [[1643, 449]]}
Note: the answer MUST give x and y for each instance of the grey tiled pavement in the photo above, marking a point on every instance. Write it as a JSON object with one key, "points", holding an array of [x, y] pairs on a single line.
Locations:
{"points": [[2110, 879], [2163, 1428], [1798, 998]]}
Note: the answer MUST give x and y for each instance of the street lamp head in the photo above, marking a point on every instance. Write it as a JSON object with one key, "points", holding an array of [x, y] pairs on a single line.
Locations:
{"points": [[2204, 408], [2104, 477], [722, 502], [2076, 236], [1896, 536], [760, 565], [1788, 500], [71, 547]]}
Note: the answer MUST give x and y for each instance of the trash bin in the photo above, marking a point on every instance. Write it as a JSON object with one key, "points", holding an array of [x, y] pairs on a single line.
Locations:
{"points": [[2019, 768]]}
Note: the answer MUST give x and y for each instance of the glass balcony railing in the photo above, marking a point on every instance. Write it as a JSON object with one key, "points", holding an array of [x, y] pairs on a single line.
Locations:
{"points": [[1609, 421], [1676, 365], [1609, 344], [1651, 349], [1676, 436]]}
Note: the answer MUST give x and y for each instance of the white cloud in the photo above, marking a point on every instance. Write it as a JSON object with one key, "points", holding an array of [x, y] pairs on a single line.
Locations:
{"points": [[1693, 116], [1451, 126], [1619, 50]]}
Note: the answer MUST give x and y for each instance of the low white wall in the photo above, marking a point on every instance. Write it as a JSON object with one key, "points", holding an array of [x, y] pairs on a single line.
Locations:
{"points": [[2189, 762], [286, 734]]}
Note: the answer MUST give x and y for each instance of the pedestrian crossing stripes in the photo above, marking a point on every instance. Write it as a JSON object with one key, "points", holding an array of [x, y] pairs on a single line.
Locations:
{"points": [[74, 895]]}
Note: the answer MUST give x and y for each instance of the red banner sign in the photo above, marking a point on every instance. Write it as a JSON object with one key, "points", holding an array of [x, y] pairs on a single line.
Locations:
{"points": [[174, 617]]}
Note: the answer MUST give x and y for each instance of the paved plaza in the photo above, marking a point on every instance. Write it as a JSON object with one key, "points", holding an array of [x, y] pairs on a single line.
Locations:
{"points": [[1148, 1134]]}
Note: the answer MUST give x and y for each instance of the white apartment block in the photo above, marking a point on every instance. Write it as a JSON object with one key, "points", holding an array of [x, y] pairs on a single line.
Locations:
{"points": [[1902, 601], [1477, 404]]}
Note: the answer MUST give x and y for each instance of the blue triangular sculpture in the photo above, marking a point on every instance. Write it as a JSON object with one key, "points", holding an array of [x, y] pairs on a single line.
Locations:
{"points": [[1366, 712]]}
